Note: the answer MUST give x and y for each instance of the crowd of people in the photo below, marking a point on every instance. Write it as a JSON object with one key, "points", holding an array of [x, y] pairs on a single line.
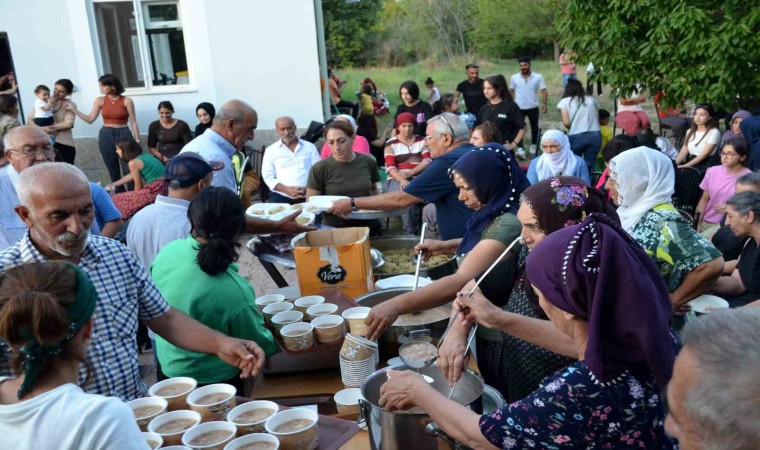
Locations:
{"points": [[585, 327]]}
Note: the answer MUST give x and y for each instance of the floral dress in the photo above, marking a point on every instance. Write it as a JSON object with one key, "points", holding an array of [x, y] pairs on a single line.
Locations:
{"points": [[573, 410]]}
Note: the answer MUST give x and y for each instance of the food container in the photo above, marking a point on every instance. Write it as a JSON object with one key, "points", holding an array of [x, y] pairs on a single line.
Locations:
{"points": [[298, 336], [303, 303], [401, 334], [298, 439], [251, 426], [265, 300], [242, 442], [347, 401], [174, 437], [321, 310], [407, 430], [355, 318], [153, 440], [386, 243], [178, 399], [284, 318], [357, 348], [273, 309], [153, 407], [225, 430], [329, 328], [215, 408]]}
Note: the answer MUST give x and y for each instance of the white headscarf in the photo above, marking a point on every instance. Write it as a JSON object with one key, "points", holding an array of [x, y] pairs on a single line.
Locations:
{"points": [[644, 178], [553, 164], [350, 120]]}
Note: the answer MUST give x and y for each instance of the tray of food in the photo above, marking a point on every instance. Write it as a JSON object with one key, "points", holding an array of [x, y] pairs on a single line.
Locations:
{"points": [[401, 261], [310, 334]]}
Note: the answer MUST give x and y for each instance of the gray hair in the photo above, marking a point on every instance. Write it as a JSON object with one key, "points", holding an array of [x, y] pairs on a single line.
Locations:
{"points": [[750, 179], [30, 177], [232, 110], [10, 136], [723, 400], [745, 202], [455, 124]]}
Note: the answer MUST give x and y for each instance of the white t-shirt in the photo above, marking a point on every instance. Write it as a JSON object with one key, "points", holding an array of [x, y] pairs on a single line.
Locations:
{"points": [[67, 418], [526, 91], [696, 144], [637, 107], [666, 147], [586, 119], [40, 113]]}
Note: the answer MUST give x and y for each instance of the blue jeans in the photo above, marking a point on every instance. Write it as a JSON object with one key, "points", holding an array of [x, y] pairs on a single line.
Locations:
{"points": [[587, 145], [275, 197], [568, 76]]}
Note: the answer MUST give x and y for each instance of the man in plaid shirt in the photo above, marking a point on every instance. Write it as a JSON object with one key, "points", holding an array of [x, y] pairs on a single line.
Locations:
{"points": [[58, 209]]}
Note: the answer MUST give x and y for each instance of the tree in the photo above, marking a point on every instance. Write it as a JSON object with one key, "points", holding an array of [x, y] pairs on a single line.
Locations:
{"points": [[348, 30], [503, 28], [701, 50]]}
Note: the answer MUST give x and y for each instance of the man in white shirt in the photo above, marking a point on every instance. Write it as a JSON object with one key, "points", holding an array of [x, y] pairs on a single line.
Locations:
{"points": [[287, 163], [166, 220], [524, 87]]}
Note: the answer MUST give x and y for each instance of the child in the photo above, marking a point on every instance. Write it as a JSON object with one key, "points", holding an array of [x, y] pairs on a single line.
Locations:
{"points": [[145, 170], [43, 107], [433, 93], [604, 127]]}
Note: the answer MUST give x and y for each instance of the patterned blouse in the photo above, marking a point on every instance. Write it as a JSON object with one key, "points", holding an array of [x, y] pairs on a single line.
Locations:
{"points": [[573, 410], [674, 245]]}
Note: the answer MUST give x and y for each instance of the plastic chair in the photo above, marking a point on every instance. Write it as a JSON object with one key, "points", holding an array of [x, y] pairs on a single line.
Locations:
{"points": [[687, 192]]}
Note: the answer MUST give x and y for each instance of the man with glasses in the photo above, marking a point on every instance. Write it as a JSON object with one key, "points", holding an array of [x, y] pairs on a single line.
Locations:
{"points": [[447, 137], [26, 146], [472, 88]]}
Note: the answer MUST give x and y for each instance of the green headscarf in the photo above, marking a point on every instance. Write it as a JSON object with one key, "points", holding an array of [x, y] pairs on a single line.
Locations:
{"points": [[78, 313]]}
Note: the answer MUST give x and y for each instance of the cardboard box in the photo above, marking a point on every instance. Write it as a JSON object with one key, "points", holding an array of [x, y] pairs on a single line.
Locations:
{"points": [[334, 260]]}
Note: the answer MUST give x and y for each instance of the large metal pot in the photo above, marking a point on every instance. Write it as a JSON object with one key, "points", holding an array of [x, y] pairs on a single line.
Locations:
{"points": [[403, 431], [384, 243], [396, 335]]}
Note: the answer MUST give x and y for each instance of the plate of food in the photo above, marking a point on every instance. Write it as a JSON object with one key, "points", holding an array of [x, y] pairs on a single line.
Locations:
{"points": [[266, 209], [307, 207], [705, 303], [325, 202]]}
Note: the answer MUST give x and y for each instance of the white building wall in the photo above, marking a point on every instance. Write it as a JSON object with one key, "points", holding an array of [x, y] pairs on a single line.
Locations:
{"points": [[261, 51]]}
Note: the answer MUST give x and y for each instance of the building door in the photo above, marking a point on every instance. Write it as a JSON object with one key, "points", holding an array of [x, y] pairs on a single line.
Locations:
{"points": [[6, 68]]}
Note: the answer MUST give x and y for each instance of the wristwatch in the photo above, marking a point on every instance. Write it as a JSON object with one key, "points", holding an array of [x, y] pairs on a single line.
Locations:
{"points": [[353, 205]]}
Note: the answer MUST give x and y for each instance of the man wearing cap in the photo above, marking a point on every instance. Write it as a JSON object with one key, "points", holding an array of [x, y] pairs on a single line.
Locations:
{"points": [[26, 146], [233, 126], [472, 88], [286, 164], [166, 220]]}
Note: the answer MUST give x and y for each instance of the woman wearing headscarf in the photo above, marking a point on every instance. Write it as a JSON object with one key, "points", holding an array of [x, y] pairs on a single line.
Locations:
{"points": [[360, 145], [490, 182], [750, 128], [557, 159], [610, 397], [734, 129], [46, 318], [523, 348], [205, 112], [641, 183]]}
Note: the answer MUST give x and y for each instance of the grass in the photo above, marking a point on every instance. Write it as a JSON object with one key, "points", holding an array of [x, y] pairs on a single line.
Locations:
{"points": [[448, 75]]}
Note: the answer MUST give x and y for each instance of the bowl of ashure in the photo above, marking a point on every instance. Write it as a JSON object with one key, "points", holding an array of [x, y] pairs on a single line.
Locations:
{"points": [[210, 435], [173, 425], [174, 390], [250, 417], [294, 428], [146, 409]]}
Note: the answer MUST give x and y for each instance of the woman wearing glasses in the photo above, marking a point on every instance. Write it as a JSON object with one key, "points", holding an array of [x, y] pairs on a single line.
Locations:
{"points": [[344, 172], [719, 184], [701, 140]]}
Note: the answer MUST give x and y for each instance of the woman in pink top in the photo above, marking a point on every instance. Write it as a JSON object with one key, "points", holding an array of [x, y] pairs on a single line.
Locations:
{"points": [[719, 184], [361, 145]]}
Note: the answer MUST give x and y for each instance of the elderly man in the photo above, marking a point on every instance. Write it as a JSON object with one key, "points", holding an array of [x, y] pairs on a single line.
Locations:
{"points": [[447, 136], [472, 88], [525, 86], [26, 146], [713, 394], [57, 207], [286, 164], [166, 220], [233, 126]]}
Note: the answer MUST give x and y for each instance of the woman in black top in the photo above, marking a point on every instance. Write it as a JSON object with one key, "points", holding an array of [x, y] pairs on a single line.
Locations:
{"points": [[410, 96], [502, 111]]}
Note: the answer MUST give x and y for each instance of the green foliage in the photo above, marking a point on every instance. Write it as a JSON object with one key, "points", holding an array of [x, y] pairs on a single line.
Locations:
{"points": [[349, 30], [703, 50], [505, 27]]}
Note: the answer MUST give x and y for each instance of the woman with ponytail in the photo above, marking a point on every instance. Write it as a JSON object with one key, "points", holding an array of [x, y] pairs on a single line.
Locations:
{"points": [[46, 318], [199, 276]]}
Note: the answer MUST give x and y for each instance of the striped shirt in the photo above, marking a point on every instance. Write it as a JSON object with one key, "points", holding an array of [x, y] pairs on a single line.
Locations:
{"points": [[125, 294]]}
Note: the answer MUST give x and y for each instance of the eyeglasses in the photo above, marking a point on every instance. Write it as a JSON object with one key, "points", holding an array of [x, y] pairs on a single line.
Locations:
{"points": [[729, 154], [31, 151]]}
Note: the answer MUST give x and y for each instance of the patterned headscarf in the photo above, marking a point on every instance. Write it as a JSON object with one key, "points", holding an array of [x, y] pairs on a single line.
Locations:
{"points": [[36, 353], [493, 176], [598, 273]]}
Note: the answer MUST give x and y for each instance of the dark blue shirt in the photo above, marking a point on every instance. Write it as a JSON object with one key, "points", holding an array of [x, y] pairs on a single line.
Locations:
{"points": [[434, 185]]}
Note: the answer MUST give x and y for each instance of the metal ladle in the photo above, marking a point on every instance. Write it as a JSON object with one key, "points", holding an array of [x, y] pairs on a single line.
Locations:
{"points": [[419, 258]]}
